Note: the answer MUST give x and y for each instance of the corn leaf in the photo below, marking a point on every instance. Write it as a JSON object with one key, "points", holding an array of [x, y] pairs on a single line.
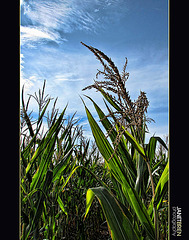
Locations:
{"points": [[134, 143], [89, 199], [116, 169], [39, 203], [59, 168], [45, 141], [43, 167], [113, 103], [160, 190], [124, 154], [119, 225], [151, 147]]}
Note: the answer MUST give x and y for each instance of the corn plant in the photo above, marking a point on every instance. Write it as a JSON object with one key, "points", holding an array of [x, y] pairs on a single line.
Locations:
{"points": [[131, 211], [49, 211]]}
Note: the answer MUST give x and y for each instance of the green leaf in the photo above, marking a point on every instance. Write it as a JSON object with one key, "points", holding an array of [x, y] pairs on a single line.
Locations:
{"points": [[39, 203], [117, 170], [113, 103], [43, 167], [59, 168], [161, 141], [45, 141], [43, 112], [26, 116], [160, 190], [151, 147], [61, 205], [134, 143], [140, 181], [89, 199], [123, 151], [119, 225], [86, 169]]}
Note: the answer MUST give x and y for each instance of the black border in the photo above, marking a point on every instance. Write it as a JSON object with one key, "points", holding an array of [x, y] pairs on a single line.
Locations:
{"points": [[178, 114], [10, 113]]}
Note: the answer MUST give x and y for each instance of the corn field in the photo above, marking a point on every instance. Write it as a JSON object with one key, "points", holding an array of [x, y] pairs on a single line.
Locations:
{"points": [[115, 187]]}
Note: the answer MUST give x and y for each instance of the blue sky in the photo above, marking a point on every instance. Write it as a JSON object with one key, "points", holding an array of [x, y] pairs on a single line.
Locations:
{"points": [[51, 32]]}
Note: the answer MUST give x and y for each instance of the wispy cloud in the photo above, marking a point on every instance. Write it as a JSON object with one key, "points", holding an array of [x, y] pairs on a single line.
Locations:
{"points": [[53, 19], [36, 34], [67, 77]]}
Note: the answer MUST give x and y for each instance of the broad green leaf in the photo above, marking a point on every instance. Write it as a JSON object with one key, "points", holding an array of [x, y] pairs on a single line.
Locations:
{"points": [[44, 163], [151, 147], [139, 208], [134, 143], [161, 141], [141, 169], [160, 190], [123, 151], [89, 199], [119, 225], [116, 169], [105, 148]]}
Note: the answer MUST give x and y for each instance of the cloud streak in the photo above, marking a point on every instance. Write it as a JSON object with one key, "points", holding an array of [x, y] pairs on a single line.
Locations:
{"points": [[52, 20], [37, 34]]}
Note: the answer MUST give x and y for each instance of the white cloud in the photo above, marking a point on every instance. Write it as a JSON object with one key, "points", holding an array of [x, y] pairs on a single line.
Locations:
{"points": [[71, 77], [56, 15], [69, 15], [33, 33], [36, 34], [50, 14]]}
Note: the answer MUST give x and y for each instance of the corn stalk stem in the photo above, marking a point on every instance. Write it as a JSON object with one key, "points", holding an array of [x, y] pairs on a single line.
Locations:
{"points": [[154, 207]]}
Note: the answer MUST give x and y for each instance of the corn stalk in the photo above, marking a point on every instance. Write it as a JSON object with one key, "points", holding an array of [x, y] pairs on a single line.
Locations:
{"points": [[127, 148]]}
